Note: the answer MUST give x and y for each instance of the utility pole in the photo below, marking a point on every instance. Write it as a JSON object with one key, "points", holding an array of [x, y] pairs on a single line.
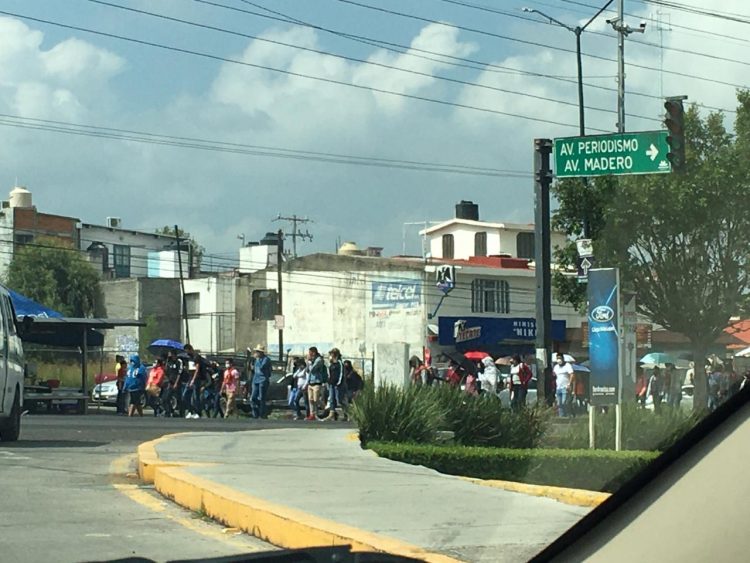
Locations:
{"points": [[623, 30], [279, 303], [296, 233], [543, 260], [182, 286]]}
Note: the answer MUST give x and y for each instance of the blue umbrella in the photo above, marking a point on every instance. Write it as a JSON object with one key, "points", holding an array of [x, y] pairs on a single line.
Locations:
{"points": [[658, 358], [581, 368], [163, 345]]}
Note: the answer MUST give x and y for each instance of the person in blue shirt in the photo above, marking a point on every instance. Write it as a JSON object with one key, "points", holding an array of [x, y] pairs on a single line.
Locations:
{"points": [[261, 381], [135, 384]]}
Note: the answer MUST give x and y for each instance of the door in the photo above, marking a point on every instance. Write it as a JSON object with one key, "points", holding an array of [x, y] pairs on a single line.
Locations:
{"points": [[6, 398]]}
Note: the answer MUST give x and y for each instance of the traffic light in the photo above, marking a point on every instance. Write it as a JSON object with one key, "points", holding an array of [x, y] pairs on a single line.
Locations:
{"points": [[675, 122]]}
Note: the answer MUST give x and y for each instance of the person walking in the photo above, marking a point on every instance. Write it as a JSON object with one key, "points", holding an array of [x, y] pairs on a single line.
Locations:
{"points": [[336, 385], [563, 372], [121, 370], [229, 387], [675, 386], [154, 386], [488, 376], [173, 369], [193, 390], [134, 384], [354, 381], [261, 381], [641, 387], [520, 375], [299, 389], [317, 377], [656, 388]]}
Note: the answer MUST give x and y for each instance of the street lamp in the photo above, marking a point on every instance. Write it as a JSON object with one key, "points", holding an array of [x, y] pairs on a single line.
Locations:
{"points": [[578, 30]]}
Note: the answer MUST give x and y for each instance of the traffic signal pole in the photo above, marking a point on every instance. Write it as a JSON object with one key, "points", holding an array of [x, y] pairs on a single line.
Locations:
{"points": [[543, 259]]}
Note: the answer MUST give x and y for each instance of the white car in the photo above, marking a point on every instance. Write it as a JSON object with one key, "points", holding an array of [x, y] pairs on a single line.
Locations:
{"points": [[105, 393], [11, 371], [530, 395], [685, 404]]}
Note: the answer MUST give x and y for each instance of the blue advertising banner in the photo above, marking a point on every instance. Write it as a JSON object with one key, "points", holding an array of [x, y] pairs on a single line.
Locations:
{"points": [[467, 332], [604, 335], [396, 295]]}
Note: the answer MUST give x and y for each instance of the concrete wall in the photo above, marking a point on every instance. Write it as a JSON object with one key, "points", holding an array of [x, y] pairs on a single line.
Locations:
{"points": [[6, 240], [499, 241], [138, 299], [212, 328]]}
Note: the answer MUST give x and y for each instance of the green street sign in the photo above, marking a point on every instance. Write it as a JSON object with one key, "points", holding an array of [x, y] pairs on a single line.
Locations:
{"points": [[615, 154]]}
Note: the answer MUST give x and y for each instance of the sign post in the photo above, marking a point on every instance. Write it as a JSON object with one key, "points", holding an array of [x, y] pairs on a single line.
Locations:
{"points": [[605, 322], [615, 154]]}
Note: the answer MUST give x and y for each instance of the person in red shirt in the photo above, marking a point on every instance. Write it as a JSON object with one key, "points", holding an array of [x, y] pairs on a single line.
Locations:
{"points": [[154, 386], [229, 387], [453, 374]]}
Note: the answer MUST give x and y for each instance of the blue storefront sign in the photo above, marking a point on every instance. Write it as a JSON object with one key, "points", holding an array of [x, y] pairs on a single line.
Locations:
{"points": [[470, 332], [396, 295], [604, 335]]}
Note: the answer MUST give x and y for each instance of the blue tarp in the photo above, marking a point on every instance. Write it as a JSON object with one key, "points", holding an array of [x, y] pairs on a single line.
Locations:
{"points": [[26, 307]]}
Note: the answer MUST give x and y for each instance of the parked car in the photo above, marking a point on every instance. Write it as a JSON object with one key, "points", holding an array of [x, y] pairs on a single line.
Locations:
{"points": [[686, 403], [105, 393]]}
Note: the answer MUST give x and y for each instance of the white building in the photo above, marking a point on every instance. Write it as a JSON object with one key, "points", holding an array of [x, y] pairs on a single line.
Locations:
{"points": [[465, 236], [210, 304]]}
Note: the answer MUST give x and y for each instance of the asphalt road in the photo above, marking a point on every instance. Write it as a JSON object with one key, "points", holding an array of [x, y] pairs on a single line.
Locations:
{"points": [[68, 493]]}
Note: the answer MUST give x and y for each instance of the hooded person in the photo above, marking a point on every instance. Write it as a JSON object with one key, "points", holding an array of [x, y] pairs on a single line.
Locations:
{"points": [[488, 376], [135, 384]]}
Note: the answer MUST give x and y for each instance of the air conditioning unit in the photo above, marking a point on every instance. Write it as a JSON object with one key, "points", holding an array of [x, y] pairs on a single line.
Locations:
{"points": [[114, 222]]}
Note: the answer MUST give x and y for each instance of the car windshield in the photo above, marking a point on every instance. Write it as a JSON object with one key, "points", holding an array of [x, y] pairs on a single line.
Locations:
{"points": [[433, 279]]}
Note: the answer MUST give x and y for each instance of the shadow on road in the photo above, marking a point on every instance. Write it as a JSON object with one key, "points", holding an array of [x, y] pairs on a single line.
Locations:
{"points": [[34, 444]]}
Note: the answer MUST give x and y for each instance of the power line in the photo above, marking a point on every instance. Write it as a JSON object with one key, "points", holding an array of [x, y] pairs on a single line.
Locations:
{"points": [[407, 50], [637, 42], [534, 43], [359, 60], [293, 73], [726, 16], [243, 149]]}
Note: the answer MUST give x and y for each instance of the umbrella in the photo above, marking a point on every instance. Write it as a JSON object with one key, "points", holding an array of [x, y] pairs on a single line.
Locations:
{"points": [[657, 359], [475, 355], [505, 361], [581, 368], [566, 357], [743, 353], [164, 345]]}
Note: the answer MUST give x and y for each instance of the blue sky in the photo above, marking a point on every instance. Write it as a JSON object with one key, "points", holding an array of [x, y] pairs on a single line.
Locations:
{"points": [[72, 76]]}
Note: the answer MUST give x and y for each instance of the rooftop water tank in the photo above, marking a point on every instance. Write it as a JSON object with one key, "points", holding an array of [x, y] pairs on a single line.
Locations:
{"points": [[467, 210], [20, 197]]}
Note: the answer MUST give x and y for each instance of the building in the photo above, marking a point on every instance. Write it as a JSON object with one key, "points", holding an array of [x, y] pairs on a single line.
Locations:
{"points": [[465, 236], [210, 304], [21, 223]]}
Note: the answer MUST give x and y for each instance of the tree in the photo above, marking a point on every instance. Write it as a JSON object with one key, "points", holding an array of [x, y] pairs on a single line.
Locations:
{"points": [[56, 276], [197, 250], [681, 241]]}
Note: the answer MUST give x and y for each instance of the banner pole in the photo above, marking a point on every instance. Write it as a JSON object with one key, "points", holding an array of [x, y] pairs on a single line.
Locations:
{"points": [[592, 427]]}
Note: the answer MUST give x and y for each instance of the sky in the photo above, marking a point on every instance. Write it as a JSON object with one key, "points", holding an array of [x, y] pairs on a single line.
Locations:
{"points": [[68, 75]]}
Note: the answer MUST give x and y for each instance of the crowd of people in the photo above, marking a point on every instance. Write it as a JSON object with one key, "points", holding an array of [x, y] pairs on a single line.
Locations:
{"points": [[188, 385]]}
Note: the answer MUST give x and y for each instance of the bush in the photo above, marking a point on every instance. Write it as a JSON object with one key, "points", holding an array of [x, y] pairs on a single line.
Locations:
{"points": [[481, 420], [596, 470], [415, 414], [396, 414], [641, 429]]}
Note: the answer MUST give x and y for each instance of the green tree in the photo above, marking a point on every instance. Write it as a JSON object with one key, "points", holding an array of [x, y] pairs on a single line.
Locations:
{"points": [[56, 276], [680, 240]]}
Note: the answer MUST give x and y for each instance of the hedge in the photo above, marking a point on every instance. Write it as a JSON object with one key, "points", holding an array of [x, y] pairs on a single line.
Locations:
{"points": [[595, 470]]}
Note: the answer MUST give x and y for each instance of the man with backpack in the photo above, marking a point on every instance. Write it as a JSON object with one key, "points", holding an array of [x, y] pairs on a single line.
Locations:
{"points": [[520, 375]]}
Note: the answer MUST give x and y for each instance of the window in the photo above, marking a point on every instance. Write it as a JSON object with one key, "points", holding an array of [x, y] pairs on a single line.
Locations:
{"points": [[525, 246], [264, 304], [10, 314], [490, 296], [480, 244], [193, 304], [121, 255], [24, 239], [447, 246]]}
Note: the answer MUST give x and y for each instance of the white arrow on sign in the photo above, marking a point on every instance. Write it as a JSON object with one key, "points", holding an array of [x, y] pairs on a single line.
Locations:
{"points": [[585, 265], [652, 152]]}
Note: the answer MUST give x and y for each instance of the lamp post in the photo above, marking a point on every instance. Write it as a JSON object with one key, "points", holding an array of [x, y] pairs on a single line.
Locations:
{"points": [[578, 30]]}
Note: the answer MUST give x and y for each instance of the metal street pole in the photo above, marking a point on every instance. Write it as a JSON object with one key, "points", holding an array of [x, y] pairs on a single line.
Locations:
{"points": [[543, 260], [279, 302], [620, 71]]}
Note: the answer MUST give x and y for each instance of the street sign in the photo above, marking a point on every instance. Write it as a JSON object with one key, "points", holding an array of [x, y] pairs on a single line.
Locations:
{"points": [[446, 278], [584, 264], [615, 154]]}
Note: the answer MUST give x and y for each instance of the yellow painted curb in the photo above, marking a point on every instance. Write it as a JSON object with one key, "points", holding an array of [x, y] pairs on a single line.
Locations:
{"points": [[576, 497], [352, 437], [277, 524]]}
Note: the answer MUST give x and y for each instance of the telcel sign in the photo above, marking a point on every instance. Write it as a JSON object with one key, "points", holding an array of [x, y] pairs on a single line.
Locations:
{"points": [[616, 154]]}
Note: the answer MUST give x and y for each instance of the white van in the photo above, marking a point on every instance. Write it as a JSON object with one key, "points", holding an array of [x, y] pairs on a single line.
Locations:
{"points": [[11, 371]]}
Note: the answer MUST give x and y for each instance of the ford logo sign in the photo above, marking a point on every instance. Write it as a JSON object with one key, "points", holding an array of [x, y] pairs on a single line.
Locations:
{"points": [[602, 314]]}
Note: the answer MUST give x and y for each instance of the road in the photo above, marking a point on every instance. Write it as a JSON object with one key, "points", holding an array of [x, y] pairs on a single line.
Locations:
{"points": [[68, 493]]}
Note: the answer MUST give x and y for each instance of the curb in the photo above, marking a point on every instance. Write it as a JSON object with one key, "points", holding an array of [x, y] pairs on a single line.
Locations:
{"points": [[576, 497], [280, 525]]}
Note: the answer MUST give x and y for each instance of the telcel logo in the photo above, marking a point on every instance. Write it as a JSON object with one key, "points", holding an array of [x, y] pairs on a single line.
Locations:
{"points": [[602, 314]]}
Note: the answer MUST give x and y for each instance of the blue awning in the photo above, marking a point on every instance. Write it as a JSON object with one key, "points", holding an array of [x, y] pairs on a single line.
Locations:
{"points": [[26, 307]]}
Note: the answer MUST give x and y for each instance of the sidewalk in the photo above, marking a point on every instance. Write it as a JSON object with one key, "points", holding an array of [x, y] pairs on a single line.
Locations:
{"points": [[298, 487]]}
